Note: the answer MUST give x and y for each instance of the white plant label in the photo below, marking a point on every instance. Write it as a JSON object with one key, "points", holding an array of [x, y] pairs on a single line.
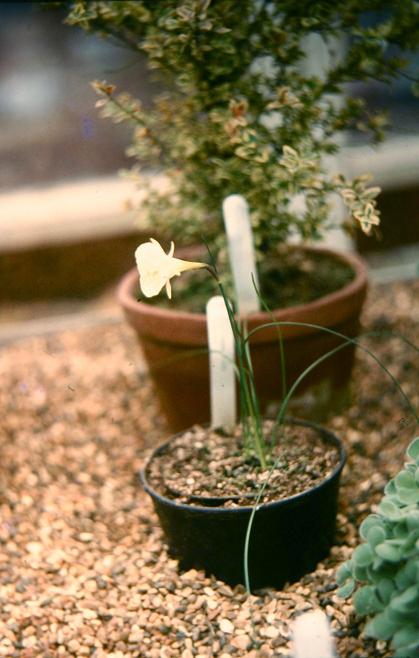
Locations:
{"points": [[221, 364], [241, 253], [312, 637]]}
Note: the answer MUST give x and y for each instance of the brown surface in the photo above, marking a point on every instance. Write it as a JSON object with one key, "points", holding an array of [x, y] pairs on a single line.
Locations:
{"points": [[79, 270], [83, 570]]}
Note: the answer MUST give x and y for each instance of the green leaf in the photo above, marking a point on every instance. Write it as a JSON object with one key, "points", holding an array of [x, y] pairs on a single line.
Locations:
{"points": [[407, 652], [408, 496], [376, 535], [372, 521], [407, 600], [388, 552], [363, 555], [366, 601], [407, 637], [404, 480], [346, 590], [407, 575], [400, 530], [413, 449], [360, 573], [381, 627], [385, 589], [389, 510], [412, 520], [343, 573], [377, 570], [390, 489], [396, 616], [409, 545]]}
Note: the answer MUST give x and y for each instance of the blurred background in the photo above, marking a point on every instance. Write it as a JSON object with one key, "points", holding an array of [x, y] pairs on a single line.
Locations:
{"points": [[50, 130], [67, 230], [67, 234]]}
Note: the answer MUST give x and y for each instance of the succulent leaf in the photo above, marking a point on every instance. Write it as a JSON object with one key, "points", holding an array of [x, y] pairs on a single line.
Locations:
{"points": [[385, 589], [363, 555], [367, 602], [406, 637], [389, 509], [407, 600], [388, 552], [372, 521], [413, 450], [405, 480], [381, 627], [346, 590], [376, 535], [387, 564]]}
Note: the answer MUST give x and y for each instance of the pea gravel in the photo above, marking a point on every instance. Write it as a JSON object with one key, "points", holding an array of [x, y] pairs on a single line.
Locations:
{"points": [[83, 566]]}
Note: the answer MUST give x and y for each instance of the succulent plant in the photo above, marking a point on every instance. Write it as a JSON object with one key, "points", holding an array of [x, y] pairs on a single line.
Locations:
{"points": [[384, 569]]}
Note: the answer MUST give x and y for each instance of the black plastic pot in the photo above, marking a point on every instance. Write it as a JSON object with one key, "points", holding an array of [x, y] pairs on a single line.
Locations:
{"points": [[288, 538]]}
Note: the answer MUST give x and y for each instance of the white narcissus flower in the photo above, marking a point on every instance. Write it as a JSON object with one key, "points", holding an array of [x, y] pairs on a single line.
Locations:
{"points": [[156, 268]]}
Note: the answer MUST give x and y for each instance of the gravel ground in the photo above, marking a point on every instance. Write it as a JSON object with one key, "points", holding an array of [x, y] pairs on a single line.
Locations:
{"points": [[83, 567]]}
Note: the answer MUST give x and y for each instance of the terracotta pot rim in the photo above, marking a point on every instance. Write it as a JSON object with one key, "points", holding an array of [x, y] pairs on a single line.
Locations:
{"points": [[131, 305], [295, 499]]}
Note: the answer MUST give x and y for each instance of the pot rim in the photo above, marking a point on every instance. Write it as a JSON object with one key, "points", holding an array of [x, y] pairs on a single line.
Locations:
{"points": [[295, 499], [131, 305]]}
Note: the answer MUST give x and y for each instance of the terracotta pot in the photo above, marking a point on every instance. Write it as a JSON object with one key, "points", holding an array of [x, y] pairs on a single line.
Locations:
{"points": [[175, 342], [288, 537]]}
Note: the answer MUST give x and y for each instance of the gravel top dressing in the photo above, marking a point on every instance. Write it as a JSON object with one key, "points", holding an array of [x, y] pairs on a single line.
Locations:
{"points": [[83, 568]]}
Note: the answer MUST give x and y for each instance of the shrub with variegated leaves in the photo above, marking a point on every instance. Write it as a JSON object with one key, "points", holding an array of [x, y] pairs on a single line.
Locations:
{"points": [[244, 112], [384, 569]]}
